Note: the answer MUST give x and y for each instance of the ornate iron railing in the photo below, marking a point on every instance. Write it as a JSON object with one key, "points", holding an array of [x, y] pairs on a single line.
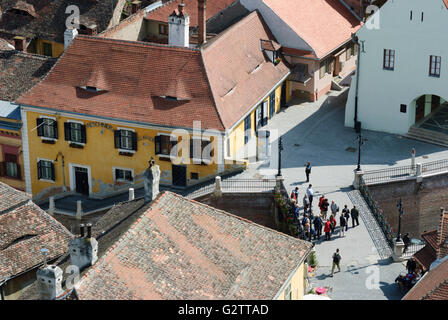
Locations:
{"points": [[377, 212]]}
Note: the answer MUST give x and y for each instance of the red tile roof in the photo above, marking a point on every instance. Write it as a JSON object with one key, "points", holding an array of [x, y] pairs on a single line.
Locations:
{"points": [[322, 24], [425, 256], [182, 249], [431, 238], [135, 75], [25, 230], [191, 8], [239, 72], [433, 286]]}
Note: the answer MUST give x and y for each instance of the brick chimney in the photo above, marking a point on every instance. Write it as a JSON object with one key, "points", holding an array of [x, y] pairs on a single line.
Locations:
{"points": [[20, 43], [135, 6], [179, 27], [442, 250], [202, 30], [83, 250]]}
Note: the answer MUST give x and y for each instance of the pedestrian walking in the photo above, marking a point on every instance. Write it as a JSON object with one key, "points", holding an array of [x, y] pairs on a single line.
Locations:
{"points": [[343, 224], [307, 171], [346, 214], [296, 212], [295, 195], [317, 222], [334, 208], [321, 200], [306, 203], [310, 194], [406, 242], [355, 214], [324, 208], [336, 261], [327, 230], [411, 265], [332, 223]]}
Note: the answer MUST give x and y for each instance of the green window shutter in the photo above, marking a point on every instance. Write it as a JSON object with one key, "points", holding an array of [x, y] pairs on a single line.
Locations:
{"points": [[83, 134], [157, 144], [52, 172], [134, 141], [117, 138], [67, 131], [39, 170], [55, 127], [40, 127]]}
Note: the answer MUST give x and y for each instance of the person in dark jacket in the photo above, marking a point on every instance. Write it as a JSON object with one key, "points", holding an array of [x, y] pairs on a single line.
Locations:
{"points": [[318, 226], [336, 261], [308, 171], [324, 208], [355, 214], [343, 224], [346, 214], [411, 265], [406, 242]]}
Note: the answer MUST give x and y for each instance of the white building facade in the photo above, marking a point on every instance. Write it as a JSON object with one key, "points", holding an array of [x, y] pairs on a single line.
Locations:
{"points": [[403, 66]]}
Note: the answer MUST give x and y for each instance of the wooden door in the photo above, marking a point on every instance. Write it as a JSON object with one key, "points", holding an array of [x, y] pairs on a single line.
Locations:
{"points": [[179, 176], [435, 102], [82, 181], [420, 109]]}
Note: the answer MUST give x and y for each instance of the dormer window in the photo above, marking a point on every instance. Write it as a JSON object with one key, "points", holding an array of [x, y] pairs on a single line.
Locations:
{"points": [[271, 49], [171, 98], [18, 12], [91, 89]]}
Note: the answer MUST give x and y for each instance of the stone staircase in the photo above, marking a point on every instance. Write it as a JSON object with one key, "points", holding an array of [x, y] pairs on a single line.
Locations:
{"points": [[428, 136], [335, 84]]}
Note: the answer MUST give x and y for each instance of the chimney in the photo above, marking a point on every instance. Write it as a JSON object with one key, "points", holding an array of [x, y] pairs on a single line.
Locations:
{"points": [[135, 6], [83, 250], [442, 249], [152, 179], [202, 29], [49, 279], [82, 230], [69, 36], [20, 43], [179, 27], [92, 30]]}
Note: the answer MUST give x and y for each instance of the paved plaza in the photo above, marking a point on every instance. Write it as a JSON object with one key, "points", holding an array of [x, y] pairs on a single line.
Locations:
{"points": [[315, 132]]}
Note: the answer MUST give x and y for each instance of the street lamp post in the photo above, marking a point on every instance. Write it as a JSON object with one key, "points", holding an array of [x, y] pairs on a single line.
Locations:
{"points": [[400, 213], [280, 148]]}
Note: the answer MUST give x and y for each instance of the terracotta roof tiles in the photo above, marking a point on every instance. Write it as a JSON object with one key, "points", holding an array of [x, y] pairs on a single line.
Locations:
{"points": [[182, 249]]}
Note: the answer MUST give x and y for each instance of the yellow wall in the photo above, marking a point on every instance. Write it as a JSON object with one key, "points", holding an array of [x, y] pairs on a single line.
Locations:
{"points": [[57, 48], [12, 138], [236, 136], [298, 284], [100, 154]]}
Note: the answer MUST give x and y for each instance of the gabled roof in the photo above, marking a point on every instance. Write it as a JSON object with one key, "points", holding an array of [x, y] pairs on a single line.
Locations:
{"points": [[47, 18], [240, 74], [182, 249], [191, 7], [20, 71], [26, 229], [216, 84], [136, 75], [433, 286], [322, 24]]}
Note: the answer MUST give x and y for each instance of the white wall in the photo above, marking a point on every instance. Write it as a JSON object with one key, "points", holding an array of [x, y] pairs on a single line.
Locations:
{"points": [[381, 91]]}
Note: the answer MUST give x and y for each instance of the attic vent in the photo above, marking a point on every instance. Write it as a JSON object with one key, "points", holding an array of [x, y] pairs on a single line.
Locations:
{"points": [[255, 69], [19, 239], [91, 89], [230, 91]]}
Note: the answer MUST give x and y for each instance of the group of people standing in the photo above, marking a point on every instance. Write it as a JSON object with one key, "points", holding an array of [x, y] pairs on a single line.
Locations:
{"points": [[323, 221]]}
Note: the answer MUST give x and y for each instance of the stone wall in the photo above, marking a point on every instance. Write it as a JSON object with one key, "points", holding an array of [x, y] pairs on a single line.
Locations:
{"points": [[256, 207], [421, 203]]}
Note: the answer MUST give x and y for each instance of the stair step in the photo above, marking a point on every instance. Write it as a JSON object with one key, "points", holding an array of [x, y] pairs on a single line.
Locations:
{"points": [[442, 143]]}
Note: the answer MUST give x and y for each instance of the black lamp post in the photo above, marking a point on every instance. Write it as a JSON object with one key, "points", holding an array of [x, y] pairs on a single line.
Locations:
{"points": [[280, 148], [400, 213]]}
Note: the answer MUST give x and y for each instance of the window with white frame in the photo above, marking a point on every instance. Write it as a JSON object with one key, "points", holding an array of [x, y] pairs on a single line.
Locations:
{"points": [[75, 132], [126, 139], [123, 175], [389, 59], [47, 128], [434, 66], [45, 170]]}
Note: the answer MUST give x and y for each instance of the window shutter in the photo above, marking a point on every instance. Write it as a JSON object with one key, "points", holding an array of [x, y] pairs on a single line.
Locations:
{"points": [[39, 170], [83, 134], [157, 144], [52, 172], [2, 169], [191, 149], [134, 141], [67, 131], [19, 172], [174, 147], [55, 127], [40, 127], [117, 174], [117, 138]]}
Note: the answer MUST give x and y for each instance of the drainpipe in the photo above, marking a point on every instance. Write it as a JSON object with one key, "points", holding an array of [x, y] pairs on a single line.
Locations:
{"points": [[64, 188]]}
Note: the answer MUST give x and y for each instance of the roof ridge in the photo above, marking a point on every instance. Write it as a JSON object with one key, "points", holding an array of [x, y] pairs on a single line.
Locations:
{"points": [[136, 43]]}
